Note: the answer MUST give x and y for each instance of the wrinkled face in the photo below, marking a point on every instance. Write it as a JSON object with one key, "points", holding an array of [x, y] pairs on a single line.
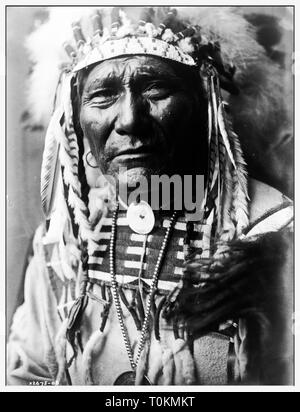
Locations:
{"points": [[143, 114]]}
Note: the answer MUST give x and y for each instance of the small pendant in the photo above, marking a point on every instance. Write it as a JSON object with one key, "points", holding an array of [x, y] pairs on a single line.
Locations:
{"points": [[140, 217], [128, 378]]}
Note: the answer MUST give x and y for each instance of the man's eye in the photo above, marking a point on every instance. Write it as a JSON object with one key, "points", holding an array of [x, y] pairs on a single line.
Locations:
{"points": [[103, 97], [157, 91]]}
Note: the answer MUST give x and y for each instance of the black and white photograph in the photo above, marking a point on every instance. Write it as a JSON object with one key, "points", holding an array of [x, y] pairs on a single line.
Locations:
{"points": [[149, 196]]}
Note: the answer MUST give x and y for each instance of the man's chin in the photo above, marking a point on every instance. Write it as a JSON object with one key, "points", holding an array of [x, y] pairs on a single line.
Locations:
{"points": [[133, 177], [137, 176]]}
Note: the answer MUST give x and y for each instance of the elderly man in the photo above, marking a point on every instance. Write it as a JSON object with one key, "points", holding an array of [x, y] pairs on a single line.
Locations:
{"points": [[122, 292]]}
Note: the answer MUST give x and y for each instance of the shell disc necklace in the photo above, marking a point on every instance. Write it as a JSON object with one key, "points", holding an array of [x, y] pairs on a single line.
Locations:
{"points": [[128, 378]]}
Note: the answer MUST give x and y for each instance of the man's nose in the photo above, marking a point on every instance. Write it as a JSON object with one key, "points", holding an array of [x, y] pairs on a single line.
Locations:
{"points": [[131, 117]]}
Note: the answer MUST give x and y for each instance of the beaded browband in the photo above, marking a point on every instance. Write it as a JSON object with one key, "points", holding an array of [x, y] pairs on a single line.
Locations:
{"points": [[171, 39]]}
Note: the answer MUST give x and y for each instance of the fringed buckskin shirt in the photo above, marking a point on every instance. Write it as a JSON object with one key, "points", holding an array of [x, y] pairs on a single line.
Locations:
{"points": [[37, 353]]}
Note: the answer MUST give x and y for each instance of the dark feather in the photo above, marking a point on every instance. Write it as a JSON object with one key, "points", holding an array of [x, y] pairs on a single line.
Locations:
{"points": [[251, 276], [253, 285]]}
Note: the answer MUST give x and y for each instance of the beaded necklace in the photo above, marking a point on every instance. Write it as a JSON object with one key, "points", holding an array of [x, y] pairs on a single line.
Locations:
{"points": [[128, 378]]}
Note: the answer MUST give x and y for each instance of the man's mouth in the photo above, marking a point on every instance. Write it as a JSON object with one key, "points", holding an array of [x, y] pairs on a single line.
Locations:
{"points": [[135, 153]]}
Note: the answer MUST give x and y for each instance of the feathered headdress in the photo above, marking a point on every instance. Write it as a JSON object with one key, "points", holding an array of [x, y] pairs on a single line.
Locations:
{"points": [[220, 42]]}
